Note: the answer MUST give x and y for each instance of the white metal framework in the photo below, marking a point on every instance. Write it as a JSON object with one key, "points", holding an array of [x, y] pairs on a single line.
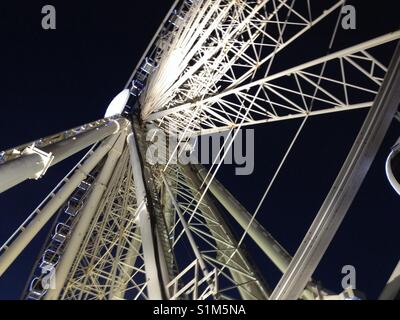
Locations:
{"points": [[129, 229]]}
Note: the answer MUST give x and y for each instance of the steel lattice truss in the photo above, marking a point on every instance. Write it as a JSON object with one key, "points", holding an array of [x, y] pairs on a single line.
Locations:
{"points": [[213, 244], [110, 263], [298, 92], [129, 229], [225, 79]]}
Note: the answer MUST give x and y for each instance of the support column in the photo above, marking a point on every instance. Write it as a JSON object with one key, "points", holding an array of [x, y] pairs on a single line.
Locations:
{"points": [[397, 116], [278, 255], [152, 264], [86, 216]]}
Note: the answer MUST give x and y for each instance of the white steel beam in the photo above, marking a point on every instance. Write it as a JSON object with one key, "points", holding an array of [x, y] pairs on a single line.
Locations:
{"points": [[44, 215], [86, 216], [186, 228], [152, 263], [33, 162]]}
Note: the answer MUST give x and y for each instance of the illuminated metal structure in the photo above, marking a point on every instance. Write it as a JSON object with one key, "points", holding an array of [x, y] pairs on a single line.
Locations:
{"points": [[129, 229]]}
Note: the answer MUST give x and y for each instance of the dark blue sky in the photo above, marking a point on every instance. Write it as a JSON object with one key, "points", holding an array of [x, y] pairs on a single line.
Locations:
{"points": [[53, 80]]}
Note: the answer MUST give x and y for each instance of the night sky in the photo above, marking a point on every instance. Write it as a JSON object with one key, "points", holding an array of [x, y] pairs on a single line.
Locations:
{"points": [[54, 80]]}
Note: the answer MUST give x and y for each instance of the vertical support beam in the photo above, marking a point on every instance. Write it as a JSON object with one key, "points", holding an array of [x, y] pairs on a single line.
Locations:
{"points": [[345, 188], [45, 214], [86, 216], [153, 274]]}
